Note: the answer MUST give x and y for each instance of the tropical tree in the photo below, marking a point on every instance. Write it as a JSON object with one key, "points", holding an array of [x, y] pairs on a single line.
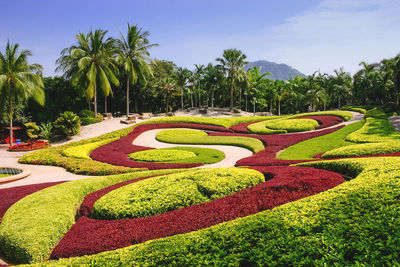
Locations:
{"points": [[282, 90], [91, 64], [213, 76], [182, 79], [198, 75], [257, 84], [233, 62], [168, 87], [134, 56], [18, 80]]}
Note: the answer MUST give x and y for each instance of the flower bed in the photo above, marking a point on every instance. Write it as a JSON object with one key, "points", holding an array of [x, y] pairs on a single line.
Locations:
{"points": [[285, 184], [116, 153], [174, 191], [32, 145]]}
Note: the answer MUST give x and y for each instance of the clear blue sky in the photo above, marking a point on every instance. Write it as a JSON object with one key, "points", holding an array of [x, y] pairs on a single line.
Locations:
{"points": [[309, 35]]}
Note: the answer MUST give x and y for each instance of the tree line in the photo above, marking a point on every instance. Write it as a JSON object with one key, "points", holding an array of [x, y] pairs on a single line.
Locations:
{"points": [[105, 74]]}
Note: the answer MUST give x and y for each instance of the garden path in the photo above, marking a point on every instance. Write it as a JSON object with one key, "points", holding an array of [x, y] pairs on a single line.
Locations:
{"points": [[395, 121]]}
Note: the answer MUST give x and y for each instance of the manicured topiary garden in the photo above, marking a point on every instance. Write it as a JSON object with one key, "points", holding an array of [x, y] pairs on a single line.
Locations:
{"points": [[154, 210]]}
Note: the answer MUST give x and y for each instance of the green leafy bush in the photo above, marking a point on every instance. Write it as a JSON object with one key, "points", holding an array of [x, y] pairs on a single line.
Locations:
{"points": [[311, 147], [295, 125], [179, 137], [33, 226], [363, 150], [91, 120], [355, 223], [68, 123], [46, 130], [83, 151], [374, 130], [202, 155], [85, 113], [159, 155], [31, 130], [171, 192]]}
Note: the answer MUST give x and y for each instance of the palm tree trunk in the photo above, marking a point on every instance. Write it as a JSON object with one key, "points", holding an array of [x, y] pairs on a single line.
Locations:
{"points": [[246, 103], [254, 108], [212, 100], [95, 100], [166, 103], [240, 99], [127, 97], [105, 104], [231, 104], [182, 97], [270, 106], [11, 115], [191, 99], [279, 107]]}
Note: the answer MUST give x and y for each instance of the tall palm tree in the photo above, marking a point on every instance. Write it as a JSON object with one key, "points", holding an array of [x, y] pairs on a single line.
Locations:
{"points": [[134, 56], [18, 79], [198, 76], [91, 63], [256, 84], [168, 87], [182, 79], [233, 62]]}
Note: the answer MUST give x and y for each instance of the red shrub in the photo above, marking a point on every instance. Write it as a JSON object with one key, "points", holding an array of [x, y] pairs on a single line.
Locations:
{"points": [[9, 196], [90, 236], [32, 145]]}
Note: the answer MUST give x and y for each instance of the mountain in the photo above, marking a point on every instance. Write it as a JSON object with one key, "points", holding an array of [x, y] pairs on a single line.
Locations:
{"points": [[278, 71]]}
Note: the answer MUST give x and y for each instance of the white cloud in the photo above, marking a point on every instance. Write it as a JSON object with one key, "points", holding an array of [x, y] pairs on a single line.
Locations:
{"points": [[338, 33]]}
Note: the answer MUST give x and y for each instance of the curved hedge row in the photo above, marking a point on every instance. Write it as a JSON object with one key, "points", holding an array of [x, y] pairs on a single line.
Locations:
{"points": [[202, 155], [356, 222], [363, 150], [280, 126], [161, 155], [83, 151], [374, 130], [54, 156], [175, 191], [178, 137], [309, 148], [54, 210]]}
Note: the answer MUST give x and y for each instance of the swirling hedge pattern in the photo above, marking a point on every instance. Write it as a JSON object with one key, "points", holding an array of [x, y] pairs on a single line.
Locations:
{"points": [[320, 224]]}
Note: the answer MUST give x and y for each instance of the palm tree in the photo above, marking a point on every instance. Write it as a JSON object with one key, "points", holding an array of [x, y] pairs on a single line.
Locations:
{"points": [[91, 64], [256, 84], [233, 62], [198, 75], [168, 87], [18, 79], [282, 89], [182, 79], [134, 56]]}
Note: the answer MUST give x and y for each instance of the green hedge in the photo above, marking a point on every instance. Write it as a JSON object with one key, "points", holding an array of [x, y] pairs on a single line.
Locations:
{"points": [[32, 227], [311, 147], [179, 137], [83, 151], [175, 191], [294, 125], [363, 150], [376, 113], [359, 109], [54, 156], [355, 223], [161, 155], [374, 130], [202, 155]]}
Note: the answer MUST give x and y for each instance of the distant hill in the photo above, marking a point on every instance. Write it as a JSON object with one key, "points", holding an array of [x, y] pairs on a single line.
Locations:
{"points": [[278, 71]]}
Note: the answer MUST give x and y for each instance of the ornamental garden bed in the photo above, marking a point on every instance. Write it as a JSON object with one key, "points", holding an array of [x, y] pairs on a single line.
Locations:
{"points": [[275, 214], [31, 145]]}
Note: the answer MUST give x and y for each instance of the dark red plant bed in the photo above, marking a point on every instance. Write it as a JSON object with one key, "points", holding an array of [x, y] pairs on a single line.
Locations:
{"points": [[89, 236], [324, 120], [32, 145], [9, 196], [116, 153]]}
